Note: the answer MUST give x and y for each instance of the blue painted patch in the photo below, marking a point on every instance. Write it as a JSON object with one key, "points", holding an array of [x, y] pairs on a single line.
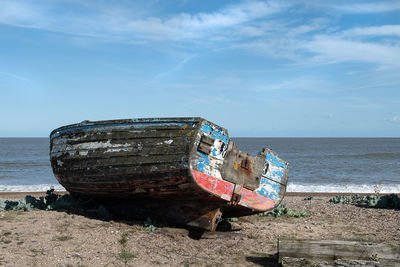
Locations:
{"points": [[214, 152], [268, 194], [269, 189], [268, 183], [214, 133], [202, 162], [274, 160], [278, 172], [275, 174]]}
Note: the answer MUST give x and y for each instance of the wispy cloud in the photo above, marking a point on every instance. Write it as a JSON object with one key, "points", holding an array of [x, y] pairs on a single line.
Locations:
{"points": [[118, 23], [178, 66], [333, 50], [394, 119], [384, 30], [14, 76], [363, 7], [250, 24], [302, 84]]}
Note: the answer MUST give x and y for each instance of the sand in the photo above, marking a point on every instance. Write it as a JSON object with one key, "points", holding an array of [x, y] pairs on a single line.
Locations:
{"points": [[55, 238]]}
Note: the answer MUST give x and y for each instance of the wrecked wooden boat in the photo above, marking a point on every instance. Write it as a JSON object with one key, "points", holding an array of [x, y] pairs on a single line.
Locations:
{"points": [[187, 170]]}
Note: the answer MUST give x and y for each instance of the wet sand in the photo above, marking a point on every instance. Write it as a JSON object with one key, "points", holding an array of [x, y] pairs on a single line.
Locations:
{"points": [[57, 238]]}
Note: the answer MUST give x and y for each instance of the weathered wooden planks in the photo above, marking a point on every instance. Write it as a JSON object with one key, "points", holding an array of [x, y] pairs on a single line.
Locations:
{"points": [[121, 155], [330, 250]]}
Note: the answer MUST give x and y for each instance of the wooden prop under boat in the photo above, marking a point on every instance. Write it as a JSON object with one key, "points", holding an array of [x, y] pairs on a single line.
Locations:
{"points": [[186, 169]]}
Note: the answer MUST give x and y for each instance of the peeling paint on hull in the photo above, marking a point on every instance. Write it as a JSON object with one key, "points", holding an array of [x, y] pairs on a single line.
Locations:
{"points": [[173, 159]]}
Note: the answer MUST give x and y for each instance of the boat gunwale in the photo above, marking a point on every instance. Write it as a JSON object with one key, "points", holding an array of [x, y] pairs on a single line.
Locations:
{"points": [[87, 123]]}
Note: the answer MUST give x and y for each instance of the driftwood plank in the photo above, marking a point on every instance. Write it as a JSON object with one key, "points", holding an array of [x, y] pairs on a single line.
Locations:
{"points": [[330, 250]]}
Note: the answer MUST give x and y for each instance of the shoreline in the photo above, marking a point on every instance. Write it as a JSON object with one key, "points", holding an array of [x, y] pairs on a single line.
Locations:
{"points": [[20, 195]]}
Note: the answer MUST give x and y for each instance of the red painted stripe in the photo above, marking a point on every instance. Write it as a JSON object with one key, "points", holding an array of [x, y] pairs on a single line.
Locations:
{"points": [[224, 189], [217, 187]]}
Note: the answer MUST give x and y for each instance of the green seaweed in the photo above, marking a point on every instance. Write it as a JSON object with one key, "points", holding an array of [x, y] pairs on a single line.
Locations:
{"points": [[282, 210], [391, 201], [2, 204], [53, 201], [149, 225]]}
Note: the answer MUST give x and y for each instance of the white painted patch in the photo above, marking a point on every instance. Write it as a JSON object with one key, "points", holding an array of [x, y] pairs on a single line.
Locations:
{"points": [[62, 146], [216, 157], [168, 142], [83, 153], [275, 173], [113, 150], [96, 145], [63, 140], [60, 163]]}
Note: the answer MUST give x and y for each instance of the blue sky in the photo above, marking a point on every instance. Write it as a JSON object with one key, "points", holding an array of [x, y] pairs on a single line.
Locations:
{"points": [[258, 68]]}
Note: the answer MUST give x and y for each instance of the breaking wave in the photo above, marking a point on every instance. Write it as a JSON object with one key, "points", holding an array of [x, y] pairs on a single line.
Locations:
{"points": [[292, 187], [31, 188], [343, 188]]}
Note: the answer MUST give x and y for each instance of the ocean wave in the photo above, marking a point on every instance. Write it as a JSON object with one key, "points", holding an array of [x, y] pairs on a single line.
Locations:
{"points": [[344, 188], [388, 156], [381, 156]]}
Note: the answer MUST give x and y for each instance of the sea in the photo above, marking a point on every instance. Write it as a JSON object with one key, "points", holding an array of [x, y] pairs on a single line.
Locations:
{"points": [[351, 165]]}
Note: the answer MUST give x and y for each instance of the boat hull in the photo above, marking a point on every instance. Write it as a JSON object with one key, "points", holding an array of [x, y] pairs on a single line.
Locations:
{"points": [[180, 160]]}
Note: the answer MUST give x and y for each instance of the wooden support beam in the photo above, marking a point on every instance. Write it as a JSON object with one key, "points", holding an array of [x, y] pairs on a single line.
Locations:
{"points": [[208, 220], [331, 250]]}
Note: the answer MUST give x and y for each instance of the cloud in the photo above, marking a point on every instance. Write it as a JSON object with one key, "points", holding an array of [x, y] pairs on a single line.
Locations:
{"points": [[301, 85], [118, 23], [178, 66], [372, 7], [394, 119], [18, 14], [254, 25], [330, 49], [14, 76], [384, 30]]}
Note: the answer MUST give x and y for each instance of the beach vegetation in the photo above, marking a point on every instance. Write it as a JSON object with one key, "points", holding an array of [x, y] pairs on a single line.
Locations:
{"points": [[283, 211], [391, 201], [125, 256], [123, 239], [233, 219], [64, 238], [53, 201], [149, 225], [36, 251]]}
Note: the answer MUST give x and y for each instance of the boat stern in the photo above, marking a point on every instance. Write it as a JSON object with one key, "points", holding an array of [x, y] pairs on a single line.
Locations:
{"points": [[248, 184]]}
